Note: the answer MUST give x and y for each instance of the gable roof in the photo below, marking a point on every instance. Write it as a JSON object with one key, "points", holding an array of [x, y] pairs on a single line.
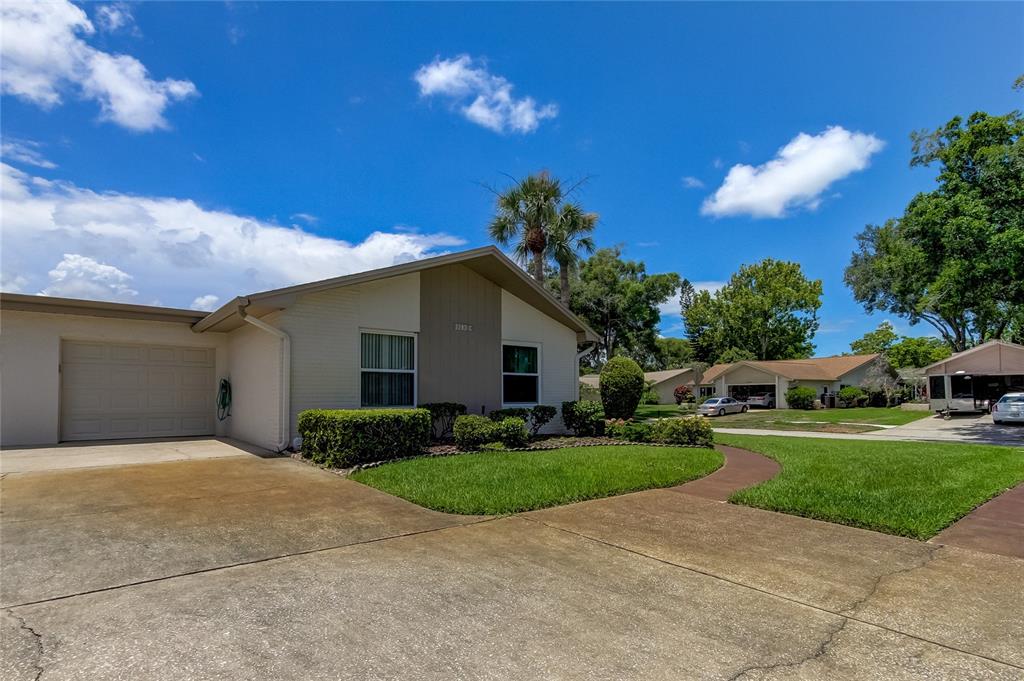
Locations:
{"points": [[488, 262], [977, 348], [666, 375], [814, 369]]}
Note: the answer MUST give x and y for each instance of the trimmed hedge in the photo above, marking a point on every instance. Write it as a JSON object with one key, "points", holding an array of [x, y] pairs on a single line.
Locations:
{"points": [[691, 430], [474, 432], [508, 413], [622, 386], [801, 397], [535, 417], [583, 418], [340, 438], [850, 394], [443, 415]]}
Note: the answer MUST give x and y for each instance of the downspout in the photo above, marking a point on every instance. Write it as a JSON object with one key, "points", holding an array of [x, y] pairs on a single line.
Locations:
{"points": [[285, 420]]}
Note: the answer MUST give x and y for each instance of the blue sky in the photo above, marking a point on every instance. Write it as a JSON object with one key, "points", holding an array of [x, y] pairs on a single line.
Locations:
{"points": [[184, 153]]}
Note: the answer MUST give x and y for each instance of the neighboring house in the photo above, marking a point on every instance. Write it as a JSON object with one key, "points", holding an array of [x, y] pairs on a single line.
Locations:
{"points": [[664, 382], [468, 327], [971, 380], [825, 374]]}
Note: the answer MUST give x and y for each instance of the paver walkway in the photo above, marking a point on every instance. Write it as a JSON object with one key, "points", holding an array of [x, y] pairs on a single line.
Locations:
{"points": [[996, 526], [741, 469]]}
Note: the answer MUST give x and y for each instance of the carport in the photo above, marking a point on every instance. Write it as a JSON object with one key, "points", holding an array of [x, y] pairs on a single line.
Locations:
{"points": [[974, 379]]}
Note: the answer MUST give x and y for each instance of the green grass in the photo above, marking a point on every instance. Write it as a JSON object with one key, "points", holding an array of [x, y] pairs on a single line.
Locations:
{"points": [[821, 420], [660, 411], [495, 483], [912, 489]]}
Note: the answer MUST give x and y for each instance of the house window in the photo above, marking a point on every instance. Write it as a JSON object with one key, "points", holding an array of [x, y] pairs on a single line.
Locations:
{"points": [[937, 387], [520, 374], [707, 390], [388, 370]]}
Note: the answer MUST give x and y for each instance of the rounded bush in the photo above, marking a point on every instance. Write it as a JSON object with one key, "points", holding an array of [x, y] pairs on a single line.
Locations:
{"points": [[631, 431], [583, 418], [622, 386], [694, 431], [511, 432], [472, 431], [850, 394], [801, 397]]}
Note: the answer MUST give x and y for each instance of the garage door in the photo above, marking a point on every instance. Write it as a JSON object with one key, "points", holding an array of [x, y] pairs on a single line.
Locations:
{"points": [[116, 390]]}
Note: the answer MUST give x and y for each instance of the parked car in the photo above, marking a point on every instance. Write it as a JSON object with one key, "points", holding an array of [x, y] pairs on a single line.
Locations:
{"points": [[766, 400], [1009, 409], [720, 406]]}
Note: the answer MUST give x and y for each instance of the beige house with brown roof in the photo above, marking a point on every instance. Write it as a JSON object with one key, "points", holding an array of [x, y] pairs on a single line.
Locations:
{"points": [[664, 382], [825, 375], [467, 327]]}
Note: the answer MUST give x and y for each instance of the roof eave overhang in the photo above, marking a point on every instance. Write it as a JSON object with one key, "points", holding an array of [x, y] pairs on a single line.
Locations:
{"points": [[93, 308]]}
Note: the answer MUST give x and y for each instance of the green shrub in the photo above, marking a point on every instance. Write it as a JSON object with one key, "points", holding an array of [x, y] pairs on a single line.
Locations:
{"points": [[692, 430], [583, 418], [541, 416], [649, 396], [471, 431], [622, 386], [516, 412], [443, 415], [340, 438], [511, 432], [631, 431], [801, 397], [850, 394]]}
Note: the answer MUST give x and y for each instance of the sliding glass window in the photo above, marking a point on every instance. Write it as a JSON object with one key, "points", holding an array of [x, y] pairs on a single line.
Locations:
{"points": [[388, 370]]}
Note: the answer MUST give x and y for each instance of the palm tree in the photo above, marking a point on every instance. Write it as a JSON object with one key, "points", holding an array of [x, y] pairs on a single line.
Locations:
{"points": [[569, 237], [526, 213]]}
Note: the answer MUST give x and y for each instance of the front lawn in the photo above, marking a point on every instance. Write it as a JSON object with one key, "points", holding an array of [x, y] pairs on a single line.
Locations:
{"points": [[853, 420], [913, 489], [661, 411], [494, 483]]}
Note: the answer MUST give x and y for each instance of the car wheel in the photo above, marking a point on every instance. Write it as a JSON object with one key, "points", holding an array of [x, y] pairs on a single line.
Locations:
{"points": [[721, 412], [744, 409], [998, 423], [771, 405]]}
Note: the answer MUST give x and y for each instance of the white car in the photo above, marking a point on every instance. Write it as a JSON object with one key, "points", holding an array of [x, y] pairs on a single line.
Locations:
{"points": [[766, 400], [1009, 409], [720, 406]]}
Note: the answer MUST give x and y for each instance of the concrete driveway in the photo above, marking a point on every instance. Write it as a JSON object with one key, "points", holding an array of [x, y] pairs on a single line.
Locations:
{"points": [[242, 567]]}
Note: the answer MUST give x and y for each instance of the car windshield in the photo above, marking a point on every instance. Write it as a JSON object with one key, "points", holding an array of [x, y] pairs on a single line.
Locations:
{"points": [[1012, 399]]}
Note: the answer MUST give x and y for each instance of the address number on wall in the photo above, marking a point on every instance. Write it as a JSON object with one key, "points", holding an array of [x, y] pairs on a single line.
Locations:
{"points": [[459, 326]]}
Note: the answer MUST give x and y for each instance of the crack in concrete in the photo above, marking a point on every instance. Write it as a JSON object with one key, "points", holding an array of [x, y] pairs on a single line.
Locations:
{"points": [[819, 651], [932, 553], [37, 638]]}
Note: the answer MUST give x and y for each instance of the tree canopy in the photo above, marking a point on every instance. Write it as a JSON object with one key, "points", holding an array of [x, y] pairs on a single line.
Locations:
{"points": [[955, 258], [901, 351], [768, 310], [620, 300]]}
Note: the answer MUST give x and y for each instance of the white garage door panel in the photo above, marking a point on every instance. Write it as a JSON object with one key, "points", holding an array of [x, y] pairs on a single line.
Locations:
{"points": [[118, 390]]}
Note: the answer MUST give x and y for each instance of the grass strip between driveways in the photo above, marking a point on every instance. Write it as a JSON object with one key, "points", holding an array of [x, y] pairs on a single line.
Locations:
{"points": [[912, 489], [495, 483]]}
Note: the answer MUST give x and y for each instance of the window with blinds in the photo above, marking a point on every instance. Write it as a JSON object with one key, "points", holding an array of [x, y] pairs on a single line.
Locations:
{"points": [[388, 370]]}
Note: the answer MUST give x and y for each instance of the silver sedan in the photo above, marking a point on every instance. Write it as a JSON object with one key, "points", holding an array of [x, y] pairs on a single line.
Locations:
{"points": [[1009, 409], [720, 406]]}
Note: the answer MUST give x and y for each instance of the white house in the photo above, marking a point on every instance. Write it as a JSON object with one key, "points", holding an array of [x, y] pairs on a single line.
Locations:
{"points": [[468, 327]]}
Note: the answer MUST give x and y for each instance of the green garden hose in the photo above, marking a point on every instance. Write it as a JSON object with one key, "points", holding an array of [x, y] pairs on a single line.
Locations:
{"points": [[224, 399]]}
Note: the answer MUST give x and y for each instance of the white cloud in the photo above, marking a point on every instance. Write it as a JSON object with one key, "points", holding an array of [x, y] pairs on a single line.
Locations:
{"points": [[490, 101], [308, 218], [169, 249], [796, 178], [115, 16], [79, 276], [207, 303], [690, 182], [43, 56], [24, 151]]}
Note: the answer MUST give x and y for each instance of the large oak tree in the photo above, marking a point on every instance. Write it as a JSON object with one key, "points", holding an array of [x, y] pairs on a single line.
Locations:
{"points": [[955, 258]]}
